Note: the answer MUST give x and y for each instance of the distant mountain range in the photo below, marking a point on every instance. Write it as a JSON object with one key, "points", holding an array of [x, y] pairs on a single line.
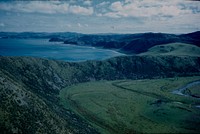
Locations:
{"points": [[126, 43], [37, 35]]}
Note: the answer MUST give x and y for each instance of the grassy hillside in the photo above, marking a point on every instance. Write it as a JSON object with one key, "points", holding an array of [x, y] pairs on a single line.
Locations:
{"points": [[30, 87], [176, 49], [139, 106]]}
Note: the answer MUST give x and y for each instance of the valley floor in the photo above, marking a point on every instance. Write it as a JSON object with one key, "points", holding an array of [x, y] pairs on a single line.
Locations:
{"points": [[136, 106]]}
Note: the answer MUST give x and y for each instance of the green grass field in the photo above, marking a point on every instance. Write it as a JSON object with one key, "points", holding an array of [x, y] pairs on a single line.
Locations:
{"points": [[135, 106], [176, 49], [193, 91]]}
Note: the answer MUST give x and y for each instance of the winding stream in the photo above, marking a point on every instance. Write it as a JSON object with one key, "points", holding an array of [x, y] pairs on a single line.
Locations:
{"points": [[181, 90]]}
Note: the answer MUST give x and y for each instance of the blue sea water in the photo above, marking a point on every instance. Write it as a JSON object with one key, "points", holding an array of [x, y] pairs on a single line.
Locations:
{"points": [[53, 50]]}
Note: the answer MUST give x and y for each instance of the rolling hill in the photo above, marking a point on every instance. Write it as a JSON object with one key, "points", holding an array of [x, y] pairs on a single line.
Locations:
{"points": [[176, 49]]}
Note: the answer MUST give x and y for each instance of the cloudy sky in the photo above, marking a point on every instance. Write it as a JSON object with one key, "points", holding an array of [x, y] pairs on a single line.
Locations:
{"points": [[100, 16]]}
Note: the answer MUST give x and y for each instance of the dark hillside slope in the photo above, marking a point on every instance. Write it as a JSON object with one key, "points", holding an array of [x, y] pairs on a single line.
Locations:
{"points": [[22, 111], [47, 77], [29, 103], [29, 87], [193, 38], [148, 40], [134, 43], [53, 75], [137, 67], [194, 35]]}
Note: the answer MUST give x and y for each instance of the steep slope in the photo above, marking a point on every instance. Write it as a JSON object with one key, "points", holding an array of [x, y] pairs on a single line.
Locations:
{"points": [[22, 111], [30, 87], [29, 102]]}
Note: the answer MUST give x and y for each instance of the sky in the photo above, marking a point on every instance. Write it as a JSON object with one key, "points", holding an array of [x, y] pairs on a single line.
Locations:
{"points": [[100, 16]]}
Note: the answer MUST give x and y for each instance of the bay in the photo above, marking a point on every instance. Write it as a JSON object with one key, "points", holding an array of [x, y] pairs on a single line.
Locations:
{"points": [[53, 50]]}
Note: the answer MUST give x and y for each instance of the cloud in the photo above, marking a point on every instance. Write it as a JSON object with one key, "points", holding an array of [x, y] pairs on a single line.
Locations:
{"points": [[2, 24], [104, 3], [82, 25], [69, 25], [81, 10], [49, 7], [111, 14], [150, 8], [46, 7], [87, 2], [72, 1], [79, 25], [126, 16], [116, 6], [86, 25]]}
